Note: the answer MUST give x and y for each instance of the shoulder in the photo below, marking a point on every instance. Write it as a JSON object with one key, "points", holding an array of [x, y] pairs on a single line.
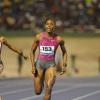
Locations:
{"points": [[60, 39], [37, 37]]}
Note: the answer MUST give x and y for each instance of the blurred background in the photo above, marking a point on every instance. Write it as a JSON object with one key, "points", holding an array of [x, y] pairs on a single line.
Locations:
{"points": [[78, 21]]}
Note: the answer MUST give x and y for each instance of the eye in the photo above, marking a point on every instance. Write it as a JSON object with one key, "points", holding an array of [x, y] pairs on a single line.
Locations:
{"points": [[49, 22]]}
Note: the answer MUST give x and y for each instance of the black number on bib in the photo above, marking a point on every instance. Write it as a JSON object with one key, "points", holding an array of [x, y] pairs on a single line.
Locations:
{"points": [[47, 49]]}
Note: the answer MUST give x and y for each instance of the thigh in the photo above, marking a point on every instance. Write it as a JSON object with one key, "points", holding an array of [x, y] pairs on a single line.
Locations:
{"points": [[50, 77]]}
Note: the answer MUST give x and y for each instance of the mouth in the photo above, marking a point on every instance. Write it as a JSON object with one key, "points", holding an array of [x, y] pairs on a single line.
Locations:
{"points": [[49, 29]]}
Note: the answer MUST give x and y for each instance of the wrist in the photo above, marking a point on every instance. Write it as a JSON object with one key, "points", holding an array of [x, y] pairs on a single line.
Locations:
{"points": [[33, 64], [21, 53]]}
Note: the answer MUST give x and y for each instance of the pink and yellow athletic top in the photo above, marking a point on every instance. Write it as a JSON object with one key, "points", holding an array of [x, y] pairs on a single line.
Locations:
{"points": [[47, 47]]}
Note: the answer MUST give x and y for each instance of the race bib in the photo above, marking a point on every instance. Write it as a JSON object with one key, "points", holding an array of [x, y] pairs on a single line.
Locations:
{"points": [[46, 49]]}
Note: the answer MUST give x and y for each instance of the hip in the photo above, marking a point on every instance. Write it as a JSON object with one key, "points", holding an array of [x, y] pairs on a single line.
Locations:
{"points": [[45, 63]]}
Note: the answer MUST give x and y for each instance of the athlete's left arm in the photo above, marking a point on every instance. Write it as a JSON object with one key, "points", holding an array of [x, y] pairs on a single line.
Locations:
{"points": [[64, 52], [20, 52]]}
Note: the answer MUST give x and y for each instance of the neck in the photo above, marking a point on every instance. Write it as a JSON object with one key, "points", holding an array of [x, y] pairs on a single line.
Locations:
{"points": [[49, 33]]}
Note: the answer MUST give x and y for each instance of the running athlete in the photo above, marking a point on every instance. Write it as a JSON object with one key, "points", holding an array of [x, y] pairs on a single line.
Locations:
{"points": [[3, 41], [44, 69]]}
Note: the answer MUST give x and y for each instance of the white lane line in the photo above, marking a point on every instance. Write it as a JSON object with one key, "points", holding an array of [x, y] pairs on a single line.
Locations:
{"points": [[15, 91], [58, 84], [81, 85], [11, 85], [55, 92], [87, 95]]}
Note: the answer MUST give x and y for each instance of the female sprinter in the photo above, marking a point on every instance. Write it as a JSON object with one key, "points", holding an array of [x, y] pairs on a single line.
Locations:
{"points": [[3, 41], [44, 69]]}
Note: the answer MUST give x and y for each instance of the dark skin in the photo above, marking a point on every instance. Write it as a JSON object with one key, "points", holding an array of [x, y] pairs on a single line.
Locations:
{"points": [[47, 76]]}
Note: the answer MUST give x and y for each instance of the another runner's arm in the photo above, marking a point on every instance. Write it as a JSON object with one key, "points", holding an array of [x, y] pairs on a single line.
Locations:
{"points": [[62, 45], [4, 41], [33, 50]]}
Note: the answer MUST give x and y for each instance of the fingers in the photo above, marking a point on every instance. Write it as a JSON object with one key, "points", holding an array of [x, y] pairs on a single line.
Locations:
{"points": [[35, 73], [26, 57], [33, 70], [61, 73]]}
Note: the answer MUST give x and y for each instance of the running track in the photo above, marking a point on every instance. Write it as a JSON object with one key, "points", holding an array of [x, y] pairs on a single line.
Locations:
{"points": [[69, 88]]}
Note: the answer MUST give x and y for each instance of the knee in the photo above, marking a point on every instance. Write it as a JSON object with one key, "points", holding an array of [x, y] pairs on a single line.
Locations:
{"points": [[49, 86], [48, 89]]}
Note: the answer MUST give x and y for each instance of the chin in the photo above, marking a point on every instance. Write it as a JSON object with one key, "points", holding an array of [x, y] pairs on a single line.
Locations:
{"points": [[48, 31]]}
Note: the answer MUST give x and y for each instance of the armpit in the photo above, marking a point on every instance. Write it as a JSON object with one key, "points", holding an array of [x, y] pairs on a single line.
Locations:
{"points": [[61, 42]]}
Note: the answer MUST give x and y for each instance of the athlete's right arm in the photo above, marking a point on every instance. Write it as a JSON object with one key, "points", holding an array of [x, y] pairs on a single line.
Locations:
{"points": [[32, 53]]}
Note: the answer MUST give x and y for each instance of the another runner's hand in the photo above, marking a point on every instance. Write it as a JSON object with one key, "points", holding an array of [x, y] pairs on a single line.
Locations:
{"points": [[25, 57]]}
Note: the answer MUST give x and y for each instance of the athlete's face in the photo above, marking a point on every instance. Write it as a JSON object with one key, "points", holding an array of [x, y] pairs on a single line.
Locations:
{"points": [[49, 26]]}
